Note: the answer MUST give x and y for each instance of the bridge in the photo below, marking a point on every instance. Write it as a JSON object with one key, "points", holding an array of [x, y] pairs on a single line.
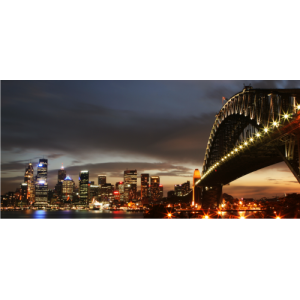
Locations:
{"points": [[255, 128]]}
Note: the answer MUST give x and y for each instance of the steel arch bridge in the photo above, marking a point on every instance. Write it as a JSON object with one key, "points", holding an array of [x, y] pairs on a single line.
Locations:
{"points": [[255, 128]]}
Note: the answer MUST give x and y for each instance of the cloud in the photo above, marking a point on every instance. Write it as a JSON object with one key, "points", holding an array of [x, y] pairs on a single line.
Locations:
{"points": [[162, 121], [53, 156]]}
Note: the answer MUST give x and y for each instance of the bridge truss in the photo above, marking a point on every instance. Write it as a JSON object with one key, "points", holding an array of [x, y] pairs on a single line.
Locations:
{"points": [[255, 128]]}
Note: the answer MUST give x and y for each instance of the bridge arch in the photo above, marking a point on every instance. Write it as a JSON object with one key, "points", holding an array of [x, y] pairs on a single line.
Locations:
{"points": [[254, 129]]}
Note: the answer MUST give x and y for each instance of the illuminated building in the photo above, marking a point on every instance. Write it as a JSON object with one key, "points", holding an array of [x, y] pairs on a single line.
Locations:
{"points": [[178, 190], [67, 189], [130, 177], [144, 185], [24, 192], [107, 192], [42, 169], [41, 185], [196, 177], [127, 190], [60, 178], [29, 179], [117, 195], [101, 179], [61, 174], [154, 188], [182, 189], [83, 187], [161, 191], [95, 192], [120, 189]]}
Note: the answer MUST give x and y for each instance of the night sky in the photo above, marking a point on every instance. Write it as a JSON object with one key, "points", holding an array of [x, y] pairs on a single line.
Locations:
{"points": [[106, 127]]}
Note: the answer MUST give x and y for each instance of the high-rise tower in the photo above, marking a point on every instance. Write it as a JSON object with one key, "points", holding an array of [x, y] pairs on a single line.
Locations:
{"points": [[61, 174], [83, 187], [101, 179], [155, 187], [144, 185], [41, 185], [28, 178], [130, 178]]}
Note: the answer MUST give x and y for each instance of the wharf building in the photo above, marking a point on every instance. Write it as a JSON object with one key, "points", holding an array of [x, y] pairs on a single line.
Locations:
{"points": [[29, 180], [83, 187], [67, 189], [41, 185], [154, 189], [130, 187], [145, 186]]}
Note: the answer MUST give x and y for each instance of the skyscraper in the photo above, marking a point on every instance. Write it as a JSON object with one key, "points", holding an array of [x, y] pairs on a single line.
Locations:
{"points": [[60, 179], [144, 185], [83, 187], [154, 187], [161, 191], [61, 174], [41, 185], [28, 178], [120, 189], [101, 179], [42, 169], [68, 189], [24, 194], [130, 178]]}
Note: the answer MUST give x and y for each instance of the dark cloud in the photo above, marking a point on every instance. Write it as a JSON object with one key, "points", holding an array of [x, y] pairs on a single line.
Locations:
{"points": [[54, 156], [16, 165]]}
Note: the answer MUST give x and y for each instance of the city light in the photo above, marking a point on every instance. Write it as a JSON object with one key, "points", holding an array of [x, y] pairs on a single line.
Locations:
{"points": [[251, 140], [275, 123], [265, 129], [278, 218], [286, 116]]}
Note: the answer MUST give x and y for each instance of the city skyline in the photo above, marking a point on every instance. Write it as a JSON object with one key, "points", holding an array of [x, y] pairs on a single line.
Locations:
{"points": [[156, 127]]}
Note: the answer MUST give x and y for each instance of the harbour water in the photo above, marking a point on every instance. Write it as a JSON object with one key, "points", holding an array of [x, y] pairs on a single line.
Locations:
{"points": [[70, 214]]}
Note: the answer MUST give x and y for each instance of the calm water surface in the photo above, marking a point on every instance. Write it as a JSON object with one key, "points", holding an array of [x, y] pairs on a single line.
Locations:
{"points": [[70, 214]]}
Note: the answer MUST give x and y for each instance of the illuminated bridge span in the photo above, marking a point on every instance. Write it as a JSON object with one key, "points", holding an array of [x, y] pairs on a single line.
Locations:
{"points": [[256, 128]]}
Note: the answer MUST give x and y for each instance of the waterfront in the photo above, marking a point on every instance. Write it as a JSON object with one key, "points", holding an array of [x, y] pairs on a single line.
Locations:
{"points": [[70, 214]]}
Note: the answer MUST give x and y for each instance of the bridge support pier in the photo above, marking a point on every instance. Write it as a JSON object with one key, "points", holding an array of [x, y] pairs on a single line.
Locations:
{"points": [[211, 197]]}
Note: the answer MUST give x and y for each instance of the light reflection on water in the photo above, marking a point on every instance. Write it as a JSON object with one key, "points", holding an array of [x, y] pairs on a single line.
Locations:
{"points": [[71, 214]]}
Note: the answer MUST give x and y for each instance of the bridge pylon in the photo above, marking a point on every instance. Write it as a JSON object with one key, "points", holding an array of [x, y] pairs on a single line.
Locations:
{"points": [[211, 197]]}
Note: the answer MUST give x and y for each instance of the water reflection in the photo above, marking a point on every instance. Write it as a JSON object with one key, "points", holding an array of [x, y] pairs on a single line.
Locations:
{"points": [[39, 214], [71, 214]]}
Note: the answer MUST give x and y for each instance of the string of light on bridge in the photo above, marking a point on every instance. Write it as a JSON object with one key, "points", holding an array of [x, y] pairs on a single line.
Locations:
{"points": [[247, 142]]}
